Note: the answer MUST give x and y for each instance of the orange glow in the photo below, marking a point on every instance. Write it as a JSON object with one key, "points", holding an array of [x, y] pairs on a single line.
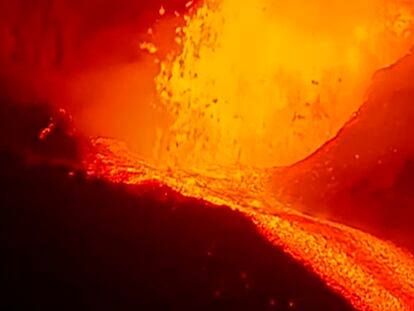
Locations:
{"points": [[258, 84], [266, 83], [162, 10], [370, 273]]}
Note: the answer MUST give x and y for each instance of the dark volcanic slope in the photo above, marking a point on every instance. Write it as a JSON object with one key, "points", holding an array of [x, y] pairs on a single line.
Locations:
{"points": [[365, 176], [70, 243]]}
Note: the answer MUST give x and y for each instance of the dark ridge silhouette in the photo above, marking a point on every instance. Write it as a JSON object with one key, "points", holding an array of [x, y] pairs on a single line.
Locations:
{"points": [[74, 243], [70, 243]]}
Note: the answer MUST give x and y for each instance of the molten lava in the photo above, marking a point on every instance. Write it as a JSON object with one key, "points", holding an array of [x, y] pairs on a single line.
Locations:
{"points": [[261, 84], [265, 83], [370, 273]]}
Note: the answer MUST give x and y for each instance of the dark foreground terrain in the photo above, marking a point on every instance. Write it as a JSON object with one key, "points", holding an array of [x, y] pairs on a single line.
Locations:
{"points": [[74, 243]]}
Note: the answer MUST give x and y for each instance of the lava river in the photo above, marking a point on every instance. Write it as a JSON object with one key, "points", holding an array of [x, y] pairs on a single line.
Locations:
{"points": [[256, 84], [370, 273], [245, 87]]}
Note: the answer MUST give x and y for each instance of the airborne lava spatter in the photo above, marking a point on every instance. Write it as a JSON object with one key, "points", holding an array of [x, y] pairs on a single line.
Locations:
{"points": [[265, 83], [258, 85]]}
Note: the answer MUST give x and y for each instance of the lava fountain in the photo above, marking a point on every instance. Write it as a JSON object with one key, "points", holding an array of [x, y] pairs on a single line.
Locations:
{"points": [[257, 84], [265, 83]]}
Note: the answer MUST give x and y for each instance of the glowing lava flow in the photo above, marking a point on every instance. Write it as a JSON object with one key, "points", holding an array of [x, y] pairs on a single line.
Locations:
{"points": [[370, 273], [260, 83]]}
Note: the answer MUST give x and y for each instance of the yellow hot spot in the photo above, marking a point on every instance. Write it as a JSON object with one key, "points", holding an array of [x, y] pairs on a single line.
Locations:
{"points": [[161, 11], [149, 47]]}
